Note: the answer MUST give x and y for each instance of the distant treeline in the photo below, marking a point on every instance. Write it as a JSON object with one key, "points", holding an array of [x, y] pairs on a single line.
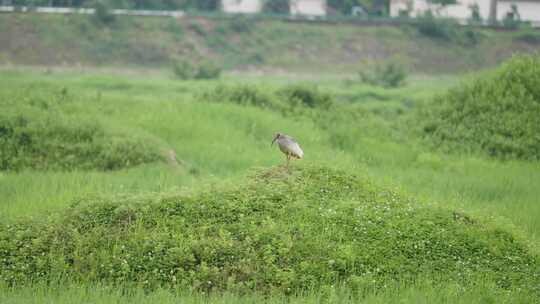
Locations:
{"points": [[270, 6]]}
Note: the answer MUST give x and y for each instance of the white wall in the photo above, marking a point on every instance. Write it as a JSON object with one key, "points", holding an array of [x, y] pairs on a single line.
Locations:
{"points": [[308, 7], [241, 6]]}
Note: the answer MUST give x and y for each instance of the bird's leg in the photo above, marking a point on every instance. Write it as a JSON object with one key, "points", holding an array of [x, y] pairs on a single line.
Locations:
{"points": [[288, 160]]}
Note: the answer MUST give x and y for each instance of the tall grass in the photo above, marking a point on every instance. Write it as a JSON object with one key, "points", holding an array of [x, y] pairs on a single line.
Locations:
{"points": [[423, 292]]}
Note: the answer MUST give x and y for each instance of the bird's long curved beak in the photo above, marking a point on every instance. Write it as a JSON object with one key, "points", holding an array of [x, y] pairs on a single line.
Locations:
{"points": [[274, 140]]}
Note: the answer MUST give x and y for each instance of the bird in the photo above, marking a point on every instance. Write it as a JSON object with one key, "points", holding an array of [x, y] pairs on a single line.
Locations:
{"points": [[288, 146]]}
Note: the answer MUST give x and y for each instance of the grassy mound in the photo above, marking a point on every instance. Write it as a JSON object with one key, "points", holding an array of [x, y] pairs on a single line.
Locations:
{"points": [[498, 114], [40, 133], [278, 232]]}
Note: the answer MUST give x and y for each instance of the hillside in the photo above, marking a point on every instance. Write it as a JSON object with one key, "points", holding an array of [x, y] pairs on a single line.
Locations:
{"points": [[243, 43]]}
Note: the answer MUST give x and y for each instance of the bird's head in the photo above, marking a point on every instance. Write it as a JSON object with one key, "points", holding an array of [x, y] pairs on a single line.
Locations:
{"points": [[278, 135]]}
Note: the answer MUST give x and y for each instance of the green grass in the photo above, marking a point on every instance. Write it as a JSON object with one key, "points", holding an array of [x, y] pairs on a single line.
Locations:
{"points": [[421, 293], [217, 143]]}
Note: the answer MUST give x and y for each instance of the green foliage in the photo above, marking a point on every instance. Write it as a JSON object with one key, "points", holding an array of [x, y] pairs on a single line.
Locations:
{"points": [[36, 133], [285, 99], [184, 69], [390, 73], [433, 27], [276, 6], [246, 95], [446, 29], [279, 233], [102, 13], [305, 95], [498, 113]]}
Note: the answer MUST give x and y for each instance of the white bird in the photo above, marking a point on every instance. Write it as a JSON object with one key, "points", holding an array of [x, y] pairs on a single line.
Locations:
{"points": [[288, 146]]}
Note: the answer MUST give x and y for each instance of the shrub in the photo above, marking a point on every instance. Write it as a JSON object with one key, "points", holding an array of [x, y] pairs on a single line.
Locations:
{"points": [[390, 73], [207, 70], [447, 30], [36, 134], [277, 233], [246, 95], [429, 25], [102, 13], [498, 113], [284, 99], [185, 70], [306, 95], [276, 6]]}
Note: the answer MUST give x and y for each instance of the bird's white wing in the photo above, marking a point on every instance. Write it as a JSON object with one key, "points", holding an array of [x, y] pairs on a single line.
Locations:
{"points": [[296, 150]]}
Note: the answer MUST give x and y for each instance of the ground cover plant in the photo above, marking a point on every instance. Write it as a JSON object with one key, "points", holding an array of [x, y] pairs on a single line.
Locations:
{"points": [[498, 113]]}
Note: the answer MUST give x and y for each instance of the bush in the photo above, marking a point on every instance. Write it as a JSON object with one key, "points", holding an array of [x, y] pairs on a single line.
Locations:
{"points": [[207, 70], [306, 96], [246, 95], [446, 29], [289, 98], [390, 73], [277, 233], [36, 134], [102, 13], [276, 6], [498, 113], [185, 70]]}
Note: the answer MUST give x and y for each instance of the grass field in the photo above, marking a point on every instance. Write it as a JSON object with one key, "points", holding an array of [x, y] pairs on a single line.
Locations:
{"points": [[217, 144]]}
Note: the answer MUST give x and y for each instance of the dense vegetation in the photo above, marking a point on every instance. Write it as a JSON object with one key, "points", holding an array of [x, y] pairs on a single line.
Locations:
{"points": [[497, 113], [38, 132], [283, 231]]}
